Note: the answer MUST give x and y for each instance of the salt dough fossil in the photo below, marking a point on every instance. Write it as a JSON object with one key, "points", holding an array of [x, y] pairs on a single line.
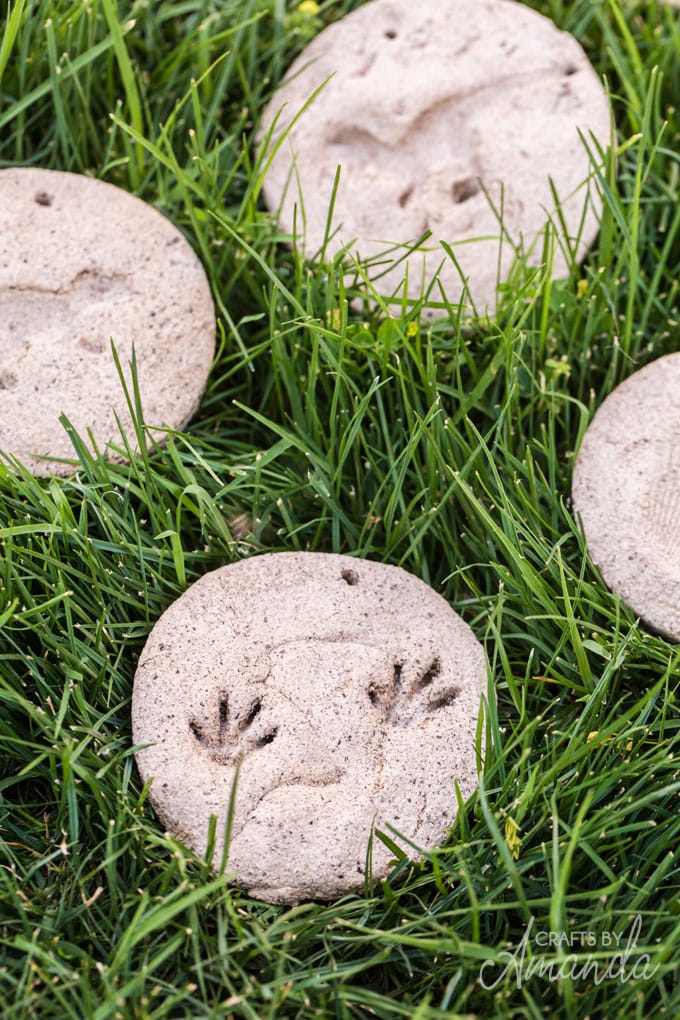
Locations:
{"points": [[348, 689], [440, 113], [626, 488], [83, 263]]}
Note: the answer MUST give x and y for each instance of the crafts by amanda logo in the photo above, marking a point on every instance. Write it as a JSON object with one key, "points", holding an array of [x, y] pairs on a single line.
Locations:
{"points": [[579, 955]]}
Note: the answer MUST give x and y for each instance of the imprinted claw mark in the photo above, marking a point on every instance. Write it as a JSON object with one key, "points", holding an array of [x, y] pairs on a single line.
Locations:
{"points": [[393, 702], [267, 738], [214, 741], [445, 699], [465, 189], [433, 670], [223, 714], [252, 715], [227, 741], [197, 731], [405, 195], [386, 700]]}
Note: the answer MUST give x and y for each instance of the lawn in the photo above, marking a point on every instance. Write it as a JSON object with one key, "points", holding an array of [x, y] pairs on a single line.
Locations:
{"points": [[424, 439]]}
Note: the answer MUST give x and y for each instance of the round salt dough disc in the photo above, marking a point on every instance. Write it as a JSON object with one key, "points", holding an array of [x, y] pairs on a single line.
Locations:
{"points": [[626, 488], [430, 105], [83, 263], [350, 689]]}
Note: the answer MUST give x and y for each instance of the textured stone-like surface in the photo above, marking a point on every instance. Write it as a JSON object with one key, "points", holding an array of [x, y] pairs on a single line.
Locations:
{"points": [[429, 105], [350, 689], [626, 488], [83, 262]]}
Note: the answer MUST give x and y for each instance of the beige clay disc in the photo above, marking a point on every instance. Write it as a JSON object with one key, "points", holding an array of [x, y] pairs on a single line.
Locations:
{"points": [[626, 488], [83, 263], [430, 105], [350, 690]]}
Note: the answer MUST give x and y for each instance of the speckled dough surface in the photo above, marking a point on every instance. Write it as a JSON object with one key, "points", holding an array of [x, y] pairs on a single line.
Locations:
{"points": [[626, 488], [426, 101], [350, 688], [83, 262]]}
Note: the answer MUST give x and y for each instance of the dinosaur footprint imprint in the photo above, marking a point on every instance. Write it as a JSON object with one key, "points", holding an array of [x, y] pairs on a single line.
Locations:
{"points": [[404, 699], [232, 734]]}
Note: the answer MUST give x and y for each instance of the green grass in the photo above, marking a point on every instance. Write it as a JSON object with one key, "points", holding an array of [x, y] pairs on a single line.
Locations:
{"points": [[443, 447]]}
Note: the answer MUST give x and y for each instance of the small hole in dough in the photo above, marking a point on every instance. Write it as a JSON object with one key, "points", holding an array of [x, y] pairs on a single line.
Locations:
{"points": [[465, 189], [372, 695], [42, 198], [390, 34], [350, 576], [570, 69], [396, 680]]}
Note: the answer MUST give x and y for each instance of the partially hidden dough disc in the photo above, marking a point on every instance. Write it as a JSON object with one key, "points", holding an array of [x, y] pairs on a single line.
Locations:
{"points": [[350, 691], [626, 488], [83, 263], [428, 106]]}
